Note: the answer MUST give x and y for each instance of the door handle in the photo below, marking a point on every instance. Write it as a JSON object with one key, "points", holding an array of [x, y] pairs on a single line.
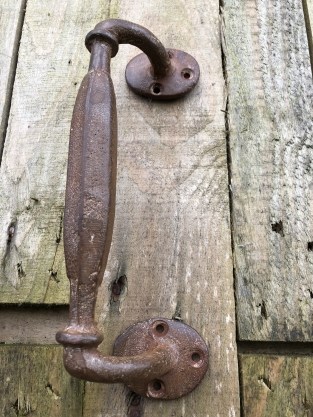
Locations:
{"points": [[157, 358]]}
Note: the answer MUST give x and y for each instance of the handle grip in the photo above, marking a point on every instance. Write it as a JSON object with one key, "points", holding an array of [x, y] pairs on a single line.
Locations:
{"points": [[88, 228], [90, 190]]}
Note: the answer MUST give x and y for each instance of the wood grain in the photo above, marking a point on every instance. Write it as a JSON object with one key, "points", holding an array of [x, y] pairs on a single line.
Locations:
{"points": [[11, 20], [34, 382], [271, 155], [279, 386], [52, 61]]}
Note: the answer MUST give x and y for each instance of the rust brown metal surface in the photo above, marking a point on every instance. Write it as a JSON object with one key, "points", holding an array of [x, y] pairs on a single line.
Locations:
{"points": [[189, 352], [88, 227], [179, 80]]}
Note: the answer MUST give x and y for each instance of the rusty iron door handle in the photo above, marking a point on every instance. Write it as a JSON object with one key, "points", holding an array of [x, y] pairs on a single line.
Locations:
{"points": [[157, 358]]}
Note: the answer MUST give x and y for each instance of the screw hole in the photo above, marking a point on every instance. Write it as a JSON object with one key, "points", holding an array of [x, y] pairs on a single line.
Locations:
{"points": [[156, 89], [156, 389], [195, 357], [159, 328], [187, 73], [157, 385]]}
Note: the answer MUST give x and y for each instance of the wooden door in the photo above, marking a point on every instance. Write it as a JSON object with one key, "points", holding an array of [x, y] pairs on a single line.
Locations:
{"points": [[213, 202]]}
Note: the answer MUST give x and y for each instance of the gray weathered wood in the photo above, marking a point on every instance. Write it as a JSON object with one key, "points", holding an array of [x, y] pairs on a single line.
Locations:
{"points": [[11, 19], [279, 386], [270, 141]]}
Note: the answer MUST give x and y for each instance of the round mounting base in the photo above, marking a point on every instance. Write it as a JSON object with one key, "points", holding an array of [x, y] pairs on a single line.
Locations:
{"points": [[182, 78], [189, 348]]}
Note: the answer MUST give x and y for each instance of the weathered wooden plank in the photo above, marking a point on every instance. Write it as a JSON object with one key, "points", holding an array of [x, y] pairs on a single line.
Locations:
{"points": [[31, 325], [279, 386], [52, 60], [11, 19], [270, 141], [172, 235], [34, 382]]}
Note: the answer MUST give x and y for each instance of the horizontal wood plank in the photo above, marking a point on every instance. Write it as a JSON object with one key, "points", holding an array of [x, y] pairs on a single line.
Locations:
{"points": [[279, 386], [31, 325], [34, 382], [271, 161]]}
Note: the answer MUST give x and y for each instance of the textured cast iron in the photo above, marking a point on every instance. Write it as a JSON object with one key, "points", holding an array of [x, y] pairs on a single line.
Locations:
{"points": [[88, 226]]}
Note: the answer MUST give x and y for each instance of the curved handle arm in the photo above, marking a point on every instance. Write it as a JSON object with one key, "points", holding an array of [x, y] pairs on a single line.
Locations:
{"points": [[89, 211], [116, 31]]}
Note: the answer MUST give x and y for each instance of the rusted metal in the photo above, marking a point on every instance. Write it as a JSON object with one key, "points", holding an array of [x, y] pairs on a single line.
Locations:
{"points": [[179, 80], [147, 363], [189, 351]]}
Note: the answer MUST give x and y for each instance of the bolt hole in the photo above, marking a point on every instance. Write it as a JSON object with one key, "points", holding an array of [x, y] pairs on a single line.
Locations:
{"points": [[157, 385], [156, 389], [187, 73], [159, 328], [156, 90], [195, 357]]}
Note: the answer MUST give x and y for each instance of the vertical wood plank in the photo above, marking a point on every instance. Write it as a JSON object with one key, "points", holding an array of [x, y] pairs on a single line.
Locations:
{"points": [[11, 19], [34, 382], [171, 240], [172, 233], [52, 61], [279, 386], [270, 139]]}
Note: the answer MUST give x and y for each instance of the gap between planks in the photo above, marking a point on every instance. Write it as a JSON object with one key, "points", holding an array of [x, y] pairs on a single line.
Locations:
{"points": [[275, 348], [308, 30], [37, 324]]}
